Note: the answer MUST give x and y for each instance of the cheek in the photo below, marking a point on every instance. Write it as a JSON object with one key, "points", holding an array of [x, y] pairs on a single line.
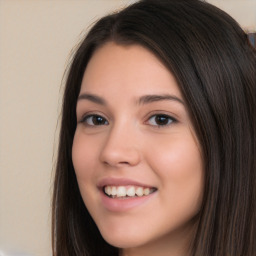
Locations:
{"points": [[178, 164], [178, 154], [82, 155]]}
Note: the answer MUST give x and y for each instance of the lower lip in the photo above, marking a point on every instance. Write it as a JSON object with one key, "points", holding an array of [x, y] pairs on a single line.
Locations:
{"points": [[124, 204]]}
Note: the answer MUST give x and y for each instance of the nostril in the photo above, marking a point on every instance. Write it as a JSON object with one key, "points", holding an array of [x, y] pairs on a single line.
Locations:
{"points": [[116, 164]]}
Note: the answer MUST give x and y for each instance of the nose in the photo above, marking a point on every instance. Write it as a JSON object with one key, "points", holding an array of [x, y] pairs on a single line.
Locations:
{"points": [[120, 148]]}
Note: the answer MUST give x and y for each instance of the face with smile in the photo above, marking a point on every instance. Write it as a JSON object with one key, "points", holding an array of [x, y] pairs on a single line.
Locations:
{"points": [[135, 154]]}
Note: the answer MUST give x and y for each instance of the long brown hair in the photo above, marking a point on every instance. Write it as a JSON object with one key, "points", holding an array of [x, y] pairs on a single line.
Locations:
{"points": [[215, 66]]}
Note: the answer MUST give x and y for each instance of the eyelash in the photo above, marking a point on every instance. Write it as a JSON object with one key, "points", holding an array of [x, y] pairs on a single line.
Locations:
{"points": [[87, 117], [168, 120], [161, 117]]}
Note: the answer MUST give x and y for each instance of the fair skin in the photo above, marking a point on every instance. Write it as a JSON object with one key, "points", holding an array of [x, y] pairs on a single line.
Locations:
{"points": [[134, 132]]}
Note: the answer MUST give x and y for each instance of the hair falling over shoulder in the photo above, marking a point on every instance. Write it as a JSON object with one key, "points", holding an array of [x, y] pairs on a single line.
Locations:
{"points": [[215, 66]]}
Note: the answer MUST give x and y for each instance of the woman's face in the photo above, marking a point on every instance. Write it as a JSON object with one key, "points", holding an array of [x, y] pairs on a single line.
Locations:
{"points": [[135, 154]]}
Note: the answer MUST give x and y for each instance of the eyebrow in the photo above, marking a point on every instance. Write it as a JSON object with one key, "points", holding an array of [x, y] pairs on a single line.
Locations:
{"points": [[145, 99], [92, 98], [154, 98]]}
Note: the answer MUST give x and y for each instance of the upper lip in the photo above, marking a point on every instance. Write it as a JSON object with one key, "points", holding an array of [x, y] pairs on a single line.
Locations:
{"points": [[110, 181]]}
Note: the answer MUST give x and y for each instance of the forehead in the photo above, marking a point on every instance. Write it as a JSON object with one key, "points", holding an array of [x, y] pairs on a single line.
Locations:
{"points": [[130, 68]]}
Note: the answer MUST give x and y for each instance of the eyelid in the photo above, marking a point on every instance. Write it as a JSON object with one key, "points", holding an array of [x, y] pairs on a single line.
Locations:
{"points": [[161, 113], [152, 114], [91, 114]]}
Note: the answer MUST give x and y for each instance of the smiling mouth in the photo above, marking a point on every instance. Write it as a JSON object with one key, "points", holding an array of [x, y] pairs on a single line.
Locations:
{"points": [[122, 192]]}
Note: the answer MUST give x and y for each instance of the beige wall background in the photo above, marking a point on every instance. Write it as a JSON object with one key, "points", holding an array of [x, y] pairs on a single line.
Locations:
{"points": [[36, 37]]}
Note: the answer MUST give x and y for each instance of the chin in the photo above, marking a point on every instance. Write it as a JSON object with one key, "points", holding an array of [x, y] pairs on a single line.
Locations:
{"points": [[123, 240]]}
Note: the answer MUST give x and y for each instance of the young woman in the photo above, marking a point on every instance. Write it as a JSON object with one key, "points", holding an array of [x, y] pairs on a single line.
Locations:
{"points": [[157, 140]]}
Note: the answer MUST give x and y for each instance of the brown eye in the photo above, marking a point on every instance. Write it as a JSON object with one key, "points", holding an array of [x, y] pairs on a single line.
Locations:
{"points": [[161, 120], [94, 120]]}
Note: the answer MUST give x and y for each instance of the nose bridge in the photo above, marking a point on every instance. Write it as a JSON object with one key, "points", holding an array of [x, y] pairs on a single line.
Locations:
{"points": [[121, 145]]}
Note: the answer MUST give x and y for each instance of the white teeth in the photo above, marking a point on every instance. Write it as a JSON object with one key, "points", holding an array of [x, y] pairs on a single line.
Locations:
{"points": [[130, 191], [139, 191], [113, 191], [121, 191], [108, 190], [146, 191]]}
